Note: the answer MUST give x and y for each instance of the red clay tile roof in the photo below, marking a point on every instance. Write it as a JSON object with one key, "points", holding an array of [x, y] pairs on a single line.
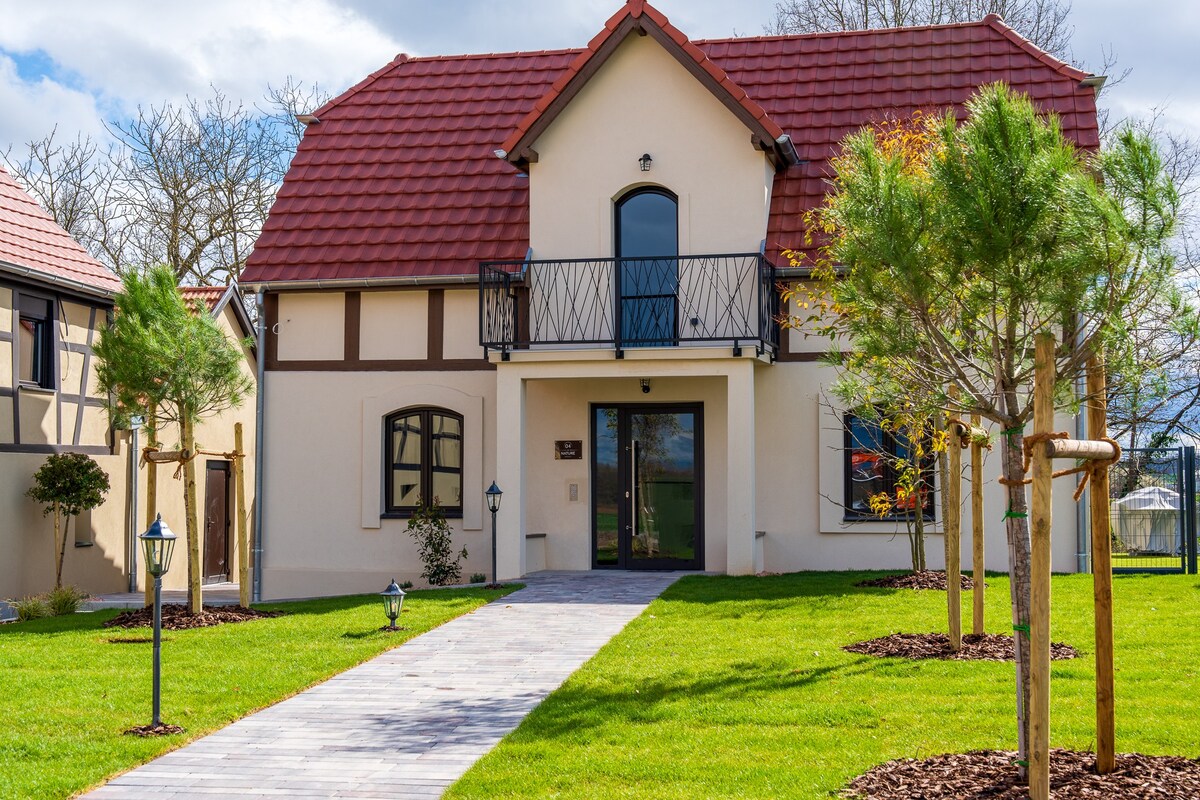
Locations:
{"points": [[399, 178], [208, 296], [637, 14], [31, 239]]}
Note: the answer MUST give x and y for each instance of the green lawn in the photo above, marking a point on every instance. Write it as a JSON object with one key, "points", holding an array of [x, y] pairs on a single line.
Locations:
{"points": [[737, 687], [67, 693]]}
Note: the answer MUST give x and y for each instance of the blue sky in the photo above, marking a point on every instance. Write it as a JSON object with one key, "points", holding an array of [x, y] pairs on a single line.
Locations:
{"points": [[76, 63]]}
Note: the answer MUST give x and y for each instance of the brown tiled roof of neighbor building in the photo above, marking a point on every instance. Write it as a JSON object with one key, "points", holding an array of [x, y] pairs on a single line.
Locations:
{"points": [[31, 241], [207, 296], [399, 178]]}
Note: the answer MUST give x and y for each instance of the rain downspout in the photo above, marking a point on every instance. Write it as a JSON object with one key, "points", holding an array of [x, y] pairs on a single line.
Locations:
{"points": [[256, 595]]}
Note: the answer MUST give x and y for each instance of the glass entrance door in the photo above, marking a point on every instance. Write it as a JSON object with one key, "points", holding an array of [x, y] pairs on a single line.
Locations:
{"points": [[646, 487]]}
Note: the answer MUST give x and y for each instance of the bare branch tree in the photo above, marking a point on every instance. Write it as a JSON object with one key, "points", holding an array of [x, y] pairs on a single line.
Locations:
{"points": [[1043, 22]]}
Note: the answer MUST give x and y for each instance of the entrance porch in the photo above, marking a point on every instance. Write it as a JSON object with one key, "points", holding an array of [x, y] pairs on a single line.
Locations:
{"points": [[663, 477]]}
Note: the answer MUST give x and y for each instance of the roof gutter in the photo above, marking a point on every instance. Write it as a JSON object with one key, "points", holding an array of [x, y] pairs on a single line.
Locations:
{"points": [[359, 283], [66, 283]]}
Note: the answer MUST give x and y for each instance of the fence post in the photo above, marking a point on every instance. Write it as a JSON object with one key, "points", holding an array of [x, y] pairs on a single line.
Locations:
{"points": [[1189, 505]]}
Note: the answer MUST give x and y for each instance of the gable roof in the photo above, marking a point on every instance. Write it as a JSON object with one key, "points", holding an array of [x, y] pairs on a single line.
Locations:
{"points": [[398, 181], [642, 18], [33, 245], [216, 299]]}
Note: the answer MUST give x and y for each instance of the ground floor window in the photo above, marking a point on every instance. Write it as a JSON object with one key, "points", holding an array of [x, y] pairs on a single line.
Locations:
{"points": [[882, 473], [423, 452]]}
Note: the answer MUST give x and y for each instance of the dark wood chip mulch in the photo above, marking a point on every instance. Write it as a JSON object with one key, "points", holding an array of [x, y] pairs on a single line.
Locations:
{"points": [[176, 617], [161, 729], [925, 579], [976, 647], [992, 774]]}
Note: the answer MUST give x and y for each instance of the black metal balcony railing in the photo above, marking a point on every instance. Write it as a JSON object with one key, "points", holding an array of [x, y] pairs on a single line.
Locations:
{"points": [[630, 302]]}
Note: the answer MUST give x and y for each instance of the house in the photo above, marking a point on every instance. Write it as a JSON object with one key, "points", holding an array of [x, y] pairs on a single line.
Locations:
{"points": [[54, 301], [558, 270]]}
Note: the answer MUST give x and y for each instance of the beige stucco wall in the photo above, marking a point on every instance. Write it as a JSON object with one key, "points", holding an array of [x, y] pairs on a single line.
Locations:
{"points": [[315, 539], [26, 536], [643, 101], [394, 325], [460, 324], [312, 326], [801, 481]]}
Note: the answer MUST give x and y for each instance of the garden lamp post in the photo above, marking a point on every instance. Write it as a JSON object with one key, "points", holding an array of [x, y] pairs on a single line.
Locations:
{"points": [[157, 544], [493, 500], [393, 601]]}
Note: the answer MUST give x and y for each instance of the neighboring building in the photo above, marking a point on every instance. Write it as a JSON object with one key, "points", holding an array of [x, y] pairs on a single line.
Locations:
{"points": [[558, 270], [54, 301]]}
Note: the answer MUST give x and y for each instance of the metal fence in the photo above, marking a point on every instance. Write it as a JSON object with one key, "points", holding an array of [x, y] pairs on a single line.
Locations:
{"points": [[629, 302], [1152, 508]]}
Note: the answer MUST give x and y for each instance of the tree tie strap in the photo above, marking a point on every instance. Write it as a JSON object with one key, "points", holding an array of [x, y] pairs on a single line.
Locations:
{"points": [[1010, 514], [1022, 628], [1011, 432]]}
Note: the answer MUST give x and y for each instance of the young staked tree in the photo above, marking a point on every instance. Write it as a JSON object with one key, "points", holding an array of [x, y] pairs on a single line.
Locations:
{"points": [[160, 353], [943, 262]]}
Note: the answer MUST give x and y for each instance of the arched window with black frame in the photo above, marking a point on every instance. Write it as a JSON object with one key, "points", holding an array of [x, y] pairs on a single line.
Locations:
{"points": [[647, 244], [423, 452]]}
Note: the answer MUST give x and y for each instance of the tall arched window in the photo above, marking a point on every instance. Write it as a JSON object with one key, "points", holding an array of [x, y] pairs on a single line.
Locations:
{"points": [[423, 460], [647, 244]]}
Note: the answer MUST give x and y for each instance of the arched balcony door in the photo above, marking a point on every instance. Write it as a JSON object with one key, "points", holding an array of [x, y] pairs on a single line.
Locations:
{"points": [[647, 246]]}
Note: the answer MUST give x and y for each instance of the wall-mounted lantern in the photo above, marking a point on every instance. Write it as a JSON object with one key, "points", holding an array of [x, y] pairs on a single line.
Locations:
{"points": [[645, 161]]}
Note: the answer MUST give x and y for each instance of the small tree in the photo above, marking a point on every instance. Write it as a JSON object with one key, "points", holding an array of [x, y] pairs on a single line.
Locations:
{"points": [[161, 354], [429, 528], [952, 256], [67, 484]]}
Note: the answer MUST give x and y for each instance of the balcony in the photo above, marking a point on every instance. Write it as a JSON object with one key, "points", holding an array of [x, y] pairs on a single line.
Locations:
{"points": [[620, 303]]}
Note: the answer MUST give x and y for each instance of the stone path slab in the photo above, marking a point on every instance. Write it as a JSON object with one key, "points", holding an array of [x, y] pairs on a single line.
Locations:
{"points": [[409, 722], [215, 594]]}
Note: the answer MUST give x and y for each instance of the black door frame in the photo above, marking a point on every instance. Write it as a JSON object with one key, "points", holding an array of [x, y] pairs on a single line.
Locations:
{"points": [[625, 507]]}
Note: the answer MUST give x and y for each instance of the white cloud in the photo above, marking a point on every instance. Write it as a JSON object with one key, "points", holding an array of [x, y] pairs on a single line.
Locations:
{"points": [[127, 53], [33, 108]]}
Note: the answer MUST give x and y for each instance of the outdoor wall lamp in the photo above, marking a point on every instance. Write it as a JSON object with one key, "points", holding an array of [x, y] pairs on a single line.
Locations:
{"points": [[645, 386], [493, 495], [645, 161], [157, 545], [393, 601]]}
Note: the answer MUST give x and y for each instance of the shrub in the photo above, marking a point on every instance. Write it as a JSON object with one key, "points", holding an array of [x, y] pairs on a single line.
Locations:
{"points": [[479, 577], [31, 608], [64, 600], [429, 528], [67, 484]]}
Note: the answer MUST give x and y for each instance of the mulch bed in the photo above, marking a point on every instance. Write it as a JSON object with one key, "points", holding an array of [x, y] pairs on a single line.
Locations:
{"points": [[161, 729], [991, 774], [925, 579], [976, 647], [176, 617]]}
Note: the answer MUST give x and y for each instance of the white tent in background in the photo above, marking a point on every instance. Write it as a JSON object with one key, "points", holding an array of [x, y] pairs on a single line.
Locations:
{"points": [[1147, 521]]}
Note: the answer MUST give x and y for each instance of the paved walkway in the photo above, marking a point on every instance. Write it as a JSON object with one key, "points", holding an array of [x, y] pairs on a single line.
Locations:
{"points": [[409, 722]]}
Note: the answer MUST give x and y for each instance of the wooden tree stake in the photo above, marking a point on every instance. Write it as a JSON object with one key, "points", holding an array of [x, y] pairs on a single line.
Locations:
{"points": [[1097, 422], [1039, 617], [976, 530], [243, 545], [953, 531]]}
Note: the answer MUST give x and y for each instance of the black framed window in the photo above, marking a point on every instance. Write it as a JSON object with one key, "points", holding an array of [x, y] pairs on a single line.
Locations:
{"points": [[35, 342], [875, 458], [423, 460]]}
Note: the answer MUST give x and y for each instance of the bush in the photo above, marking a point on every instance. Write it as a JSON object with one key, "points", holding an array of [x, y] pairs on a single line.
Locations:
{"points": [[479, 577], [31, 608], [429, 528], [64, 600]]}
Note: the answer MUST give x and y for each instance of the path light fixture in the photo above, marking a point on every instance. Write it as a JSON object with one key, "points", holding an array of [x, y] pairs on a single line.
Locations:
{"points": [[645, 161], [393, 601], [157, 545], [493, 495]]}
